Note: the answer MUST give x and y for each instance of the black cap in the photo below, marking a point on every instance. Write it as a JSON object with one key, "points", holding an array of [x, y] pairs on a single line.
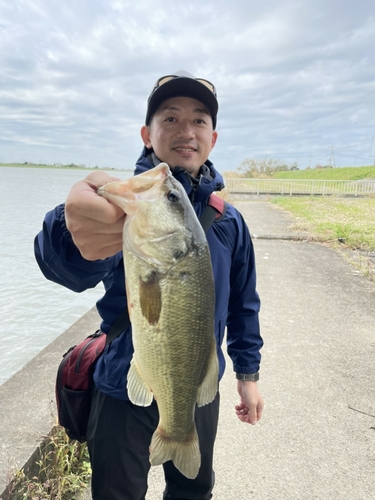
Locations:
{"points": [[183, 84]]}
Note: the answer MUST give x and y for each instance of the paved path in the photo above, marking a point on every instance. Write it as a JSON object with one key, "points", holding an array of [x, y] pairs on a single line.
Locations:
{"points": [[317, 436]]}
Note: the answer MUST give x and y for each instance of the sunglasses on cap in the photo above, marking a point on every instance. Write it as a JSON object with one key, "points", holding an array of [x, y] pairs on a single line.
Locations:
{"points": [[168, 78]]}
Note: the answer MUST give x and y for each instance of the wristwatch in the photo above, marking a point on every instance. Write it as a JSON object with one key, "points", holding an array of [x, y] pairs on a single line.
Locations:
{"points": [[248, 377]]}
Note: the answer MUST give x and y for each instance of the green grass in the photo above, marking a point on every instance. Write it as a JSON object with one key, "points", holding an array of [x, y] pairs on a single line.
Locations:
{"points": [[333, 220], [345, 173]]}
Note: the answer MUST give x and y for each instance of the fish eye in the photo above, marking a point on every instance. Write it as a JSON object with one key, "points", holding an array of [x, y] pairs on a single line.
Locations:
{"points": [[172, 196]]}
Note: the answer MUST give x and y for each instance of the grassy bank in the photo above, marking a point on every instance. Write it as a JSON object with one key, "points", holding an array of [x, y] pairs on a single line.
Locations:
{"points": [[62, 471], [334, 220], [345, 174]]}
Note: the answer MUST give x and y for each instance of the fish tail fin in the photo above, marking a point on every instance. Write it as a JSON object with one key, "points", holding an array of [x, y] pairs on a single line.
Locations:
{"points": [[184, 454]]}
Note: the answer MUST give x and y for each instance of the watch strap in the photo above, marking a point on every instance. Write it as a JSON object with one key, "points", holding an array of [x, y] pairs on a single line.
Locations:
{"points": [[248, 377]]}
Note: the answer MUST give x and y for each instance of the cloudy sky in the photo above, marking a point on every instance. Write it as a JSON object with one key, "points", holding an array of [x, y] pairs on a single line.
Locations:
{"points": [[295, 78]]}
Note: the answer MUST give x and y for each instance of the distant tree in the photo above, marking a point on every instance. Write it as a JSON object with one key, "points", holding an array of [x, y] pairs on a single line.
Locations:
{"points": [[232, 173], [264, 167]]}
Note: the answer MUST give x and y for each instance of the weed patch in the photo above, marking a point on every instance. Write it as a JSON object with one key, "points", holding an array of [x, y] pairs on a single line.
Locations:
{"points": [[334, 220], [61, 473], [348, 225]]}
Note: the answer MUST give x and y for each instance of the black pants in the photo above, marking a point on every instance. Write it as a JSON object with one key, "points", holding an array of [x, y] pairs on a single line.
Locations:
{"points": [[118, 438]]}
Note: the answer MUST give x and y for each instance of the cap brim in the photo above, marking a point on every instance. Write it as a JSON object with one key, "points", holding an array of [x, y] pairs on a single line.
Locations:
{"points": [[186, 87]]}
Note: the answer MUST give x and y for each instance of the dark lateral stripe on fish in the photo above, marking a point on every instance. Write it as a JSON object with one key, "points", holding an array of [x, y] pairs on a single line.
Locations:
{"points": [[150, 299]]}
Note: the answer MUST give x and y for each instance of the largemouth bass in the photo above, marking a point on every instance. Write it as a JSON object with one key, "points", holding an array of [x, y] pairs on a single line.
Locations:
{"points": [[171, 300]]}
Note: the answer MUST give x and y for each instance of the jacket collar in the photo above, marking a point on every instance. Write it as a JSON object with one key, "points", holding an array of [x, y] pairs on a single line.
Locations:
{"points": [[198, 189]]}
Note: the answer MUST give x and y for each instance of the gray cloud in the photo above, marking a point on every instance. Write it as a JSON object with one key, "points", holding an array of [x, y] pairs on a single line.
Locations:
{"points": [[292, 79]]}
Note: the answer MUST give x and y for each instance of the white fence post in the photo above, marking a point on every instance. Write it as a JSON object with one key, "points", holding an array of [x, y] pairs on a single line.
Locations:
{"points": [[299, 186]]}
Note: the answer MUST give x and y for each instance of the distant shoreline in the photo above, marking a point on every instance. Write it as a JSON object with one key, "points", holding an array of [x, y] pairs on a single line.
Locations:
{"points": [[62, 167]]}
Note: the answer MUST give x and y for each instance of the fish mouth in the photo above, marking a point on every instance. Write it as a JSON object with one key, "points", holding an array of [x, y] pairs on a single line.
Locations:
{"points": [[144, 187], [160, 238]]}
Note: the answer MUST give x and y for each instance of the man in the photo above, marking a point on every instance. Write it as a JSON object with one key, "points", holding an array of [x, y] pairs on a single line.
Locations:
{"points": [[81, 245]]}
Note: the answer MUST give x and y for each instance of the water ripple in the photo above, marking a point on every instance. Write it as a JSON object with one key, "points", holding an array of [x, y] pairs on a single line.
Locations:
{"points": [[33, 311]]}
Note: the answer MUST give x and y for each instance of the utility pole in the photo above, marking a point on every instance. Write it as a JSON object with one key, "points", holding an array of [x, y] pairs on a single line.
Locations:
{"points": [[332, 157]]}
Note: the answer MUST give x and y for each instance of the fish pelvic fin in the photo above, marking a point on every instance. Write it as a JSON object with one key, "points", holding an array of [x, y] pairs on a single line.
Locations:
{"points": [[184, 454], [209, 387], [139, 392]]}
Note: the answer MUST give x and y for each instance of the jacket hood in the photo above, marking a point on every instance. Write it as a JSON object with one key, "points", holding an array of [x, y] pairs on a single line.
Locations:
{"points": [[198, 189]]}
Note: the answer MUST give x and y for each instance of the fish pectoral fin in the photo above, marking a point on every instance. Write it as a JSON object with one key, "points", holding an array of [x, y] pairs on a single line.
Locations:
{"points": [[139, 392], [150, 298], [128, 300], [184, 454], [209, 387]]}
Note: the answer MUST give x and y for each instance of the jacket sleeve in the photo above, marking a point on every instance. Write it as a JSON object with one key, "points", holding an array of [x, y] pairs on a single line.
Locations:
{"points": [[60, 260], [243, 333]]}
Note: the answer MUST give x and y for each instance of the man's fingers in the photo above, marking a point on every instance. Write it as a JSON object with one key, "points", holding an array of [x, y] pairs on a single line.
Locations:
{"points": [[94, 246], [84, 202], [89, 252], [249, 414], [98, 179], [96, 225], [83, 225]]}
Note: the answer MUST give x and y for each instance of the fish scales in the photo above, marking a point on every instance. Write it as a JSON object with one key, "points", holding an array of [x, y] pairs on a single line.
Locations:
{"points": [[171, 302]]}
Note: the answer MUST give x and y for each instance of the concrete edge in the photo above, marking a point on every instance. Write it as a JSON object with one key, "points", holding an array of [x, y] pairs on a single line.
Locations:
{"points": [[30, 468], [27, 401], [286, 237]]}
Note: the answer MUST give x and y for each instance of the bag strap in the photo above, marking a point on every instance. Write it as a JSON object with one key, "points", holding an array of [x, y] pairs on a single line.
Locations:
{"points": [[215, 211], [121, 324]]}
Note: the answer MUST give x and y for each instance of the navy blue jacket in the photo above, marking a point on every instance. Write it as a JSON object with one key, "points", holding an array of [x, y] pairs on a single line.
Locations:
{"points": [[232, 253]]}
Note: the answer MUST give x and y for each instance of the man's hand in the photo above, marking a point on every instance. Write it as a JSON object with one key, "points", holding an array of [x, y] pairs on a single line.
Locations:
{"points": [[251, 406], [95, 224]]}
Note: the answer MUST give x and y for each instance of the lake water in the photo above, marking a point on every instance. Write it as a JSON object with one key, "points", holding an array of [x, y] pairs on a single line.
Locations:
{"points": [[33, 310]]}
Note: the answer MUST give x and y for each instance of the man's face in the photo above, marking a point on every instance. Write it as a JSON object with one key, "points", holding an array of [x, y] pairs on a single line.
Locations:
{"points": [[181, 133]]}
